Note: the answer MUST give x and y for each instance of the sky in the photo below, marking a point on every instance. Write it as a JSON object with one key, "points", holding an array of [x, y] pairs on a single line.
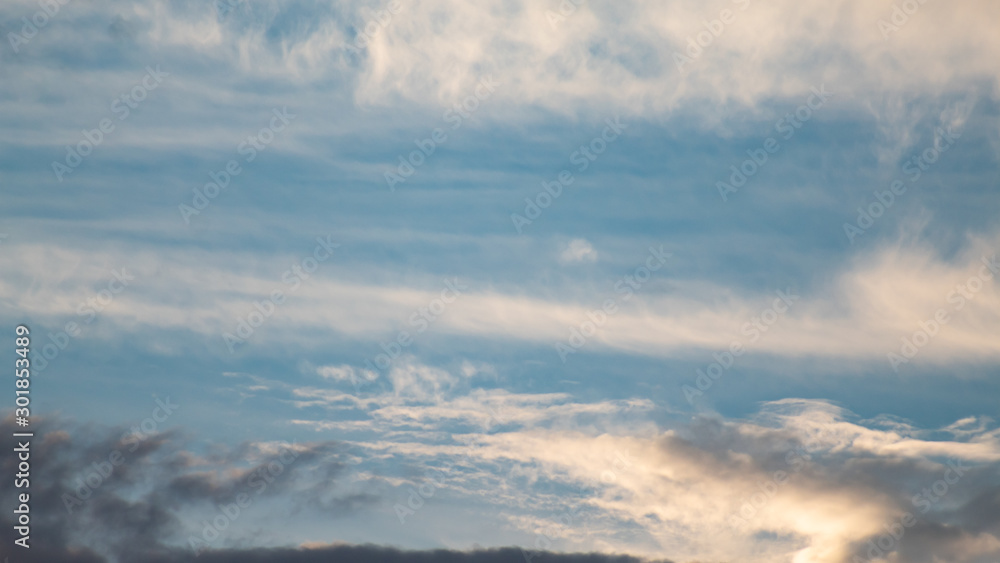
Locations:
{"points": [[575, 281]]}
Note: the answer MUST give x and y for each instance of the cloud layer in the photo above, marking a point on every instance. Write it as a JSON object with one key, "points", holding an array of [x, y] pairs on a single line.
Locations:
{"points": [[409, 292], [803, 480]]}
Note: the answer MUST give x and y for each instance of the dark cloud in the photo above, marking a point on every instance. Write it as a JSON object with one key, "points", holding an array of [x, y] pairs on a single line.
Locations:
{"points": [[98, 493], [939, 508]]}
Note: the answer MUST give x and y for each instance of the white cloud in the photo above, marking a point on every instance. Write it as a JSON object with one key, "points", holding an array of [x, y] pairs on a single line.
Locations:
{"points": [[802, 481], [616, 57], [578, 250], [863, 313], [342, 373]]}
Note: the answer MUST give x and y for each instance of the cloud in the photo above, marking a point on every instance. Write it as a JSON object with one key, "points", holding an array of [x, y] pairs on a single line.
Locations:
{"points": [[876, 300], [802, 480], [715, 489], [578, 250], [140, 511], [342, 373], [100, 494], [433, 52], [602, 471]]}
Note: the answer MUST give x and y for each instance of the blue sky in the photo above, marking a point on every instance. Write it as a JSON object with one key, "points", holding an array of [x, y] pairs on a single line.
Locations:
{"points": [[310, 105]]}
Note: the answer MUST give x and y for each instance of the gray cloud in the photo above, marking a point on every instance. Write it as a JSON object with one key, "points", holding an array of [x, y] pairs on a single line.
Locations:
{"points": [[86, 507]]}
